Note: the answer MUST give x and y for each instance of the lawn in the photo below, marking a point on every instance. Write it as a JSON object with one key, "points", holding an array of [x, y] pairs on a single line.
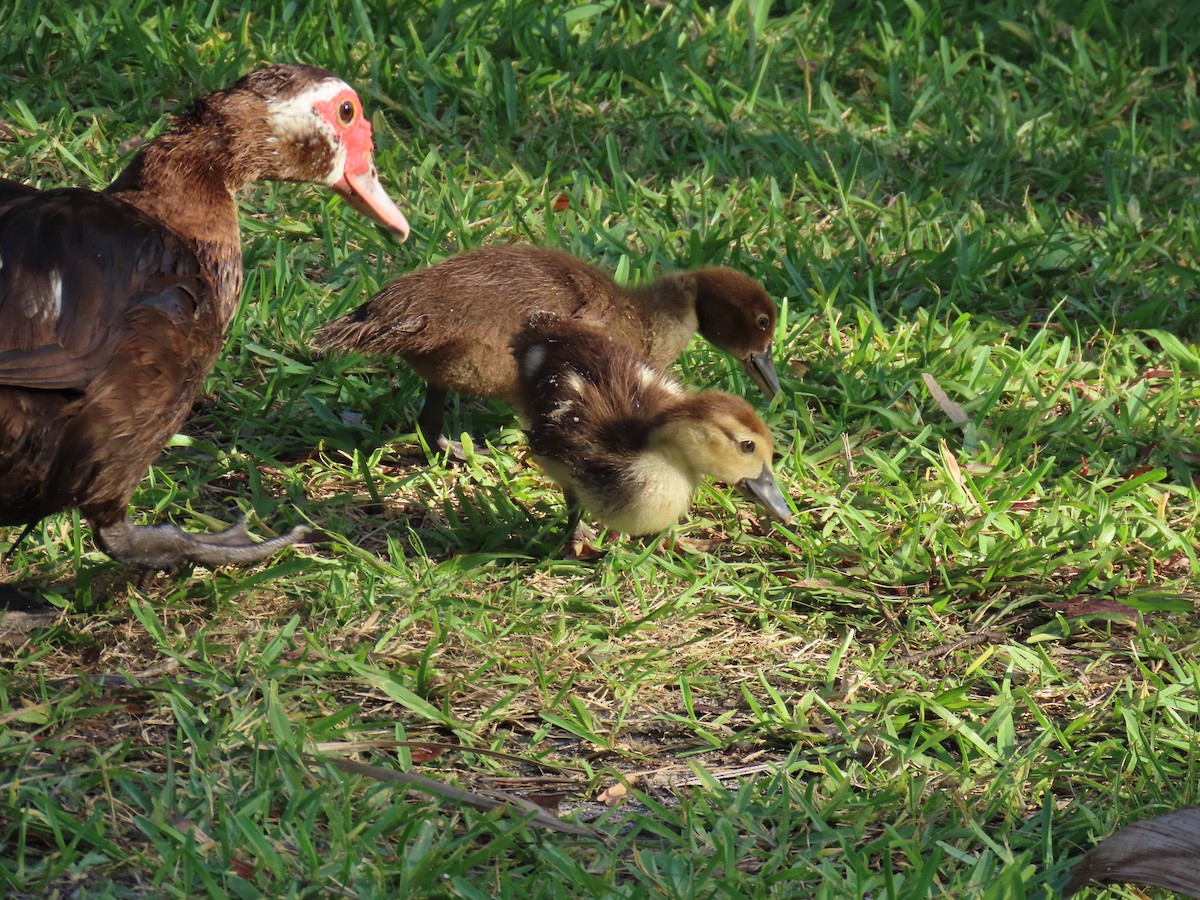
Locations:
{"points": [[970, 656]]}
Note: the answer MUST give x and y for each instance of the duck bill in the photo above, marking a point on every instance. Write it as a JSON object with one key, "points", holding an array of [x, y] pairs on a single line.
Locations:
{"points": [[363, 191], [761, 368], [764, 491]]}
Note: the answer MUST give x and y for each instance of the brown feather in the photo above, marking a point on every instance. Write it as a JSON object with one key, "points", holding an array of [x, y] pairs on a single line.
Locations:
{"points": [[114, 305], [454, 322]]}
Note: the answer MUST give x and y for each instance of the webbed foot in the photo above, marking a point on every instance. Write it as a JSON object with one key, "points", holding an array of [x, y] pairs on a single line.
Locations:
{"points": [[166, 548]]}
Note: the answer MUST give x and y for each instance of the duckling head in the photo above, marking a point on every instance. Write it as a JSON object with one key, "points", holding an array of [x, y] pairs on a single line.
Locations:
{"points": [[737, 315], [719, 435]]}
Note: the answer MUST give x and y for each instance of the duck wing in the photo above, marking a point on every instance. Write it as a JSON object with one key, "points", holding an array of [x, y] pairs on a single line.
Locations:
{"points": [[79, 272]]}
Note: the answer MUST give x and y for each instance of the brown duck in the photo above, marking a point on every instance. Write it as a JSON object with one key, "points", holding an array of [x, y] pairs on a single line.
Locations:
{"points": [[454, 322], [114, 305], [624, 440]]}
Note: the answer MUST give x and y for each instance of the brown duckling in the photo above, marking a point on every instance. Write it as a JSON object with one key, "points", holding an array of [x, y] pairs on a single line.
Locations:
{"points": [[626, 441], [114, 305], [454, 322]]}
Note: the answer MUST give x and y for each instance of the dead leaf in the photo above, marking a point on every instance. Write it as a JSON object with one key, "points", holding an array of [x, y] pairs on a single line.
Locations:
{"points": [[561, 203], [204, 843], [956, 475], [242, 869], [130, 144], [1139, 470], [613, 794], [949, 407], [1156, 373], [1162, 852]]}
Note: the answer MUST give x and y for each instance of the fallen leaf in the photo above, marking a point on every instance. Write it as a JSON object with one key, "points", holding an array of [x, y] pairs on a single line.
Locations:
{"points": [[1156, 373], [561, 202], [130, 144], [949, 407], [613, 794], [1162, 852], [242, 869], [204, 843]]}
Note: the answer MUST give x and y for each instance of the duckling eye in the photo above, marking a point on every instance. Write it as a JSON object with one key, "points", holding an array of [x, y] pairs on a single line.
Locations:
{"points": [[747, 446], [346, 113], [764, 322]]}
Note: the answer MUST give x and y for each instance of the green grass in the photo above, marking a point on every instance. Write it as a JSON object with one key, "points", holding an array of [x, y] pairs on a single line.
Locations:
{"points": [[925, 685]]}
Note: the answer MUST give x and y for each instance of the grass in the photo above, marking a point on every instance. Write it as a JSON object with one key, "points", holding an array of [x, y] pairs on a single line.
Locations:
{"points": [[971, 655]]}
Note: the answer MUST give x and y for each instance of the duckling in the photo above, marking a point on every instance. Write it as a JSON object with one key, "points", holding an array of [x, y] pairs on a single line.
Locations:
{"points": [[454, 322], [626, 441]]}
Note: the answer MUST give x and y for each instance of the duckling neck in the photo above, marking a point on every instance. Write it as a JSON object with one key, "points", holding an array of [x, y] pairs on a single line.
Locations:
{"points": [[667, 308]]}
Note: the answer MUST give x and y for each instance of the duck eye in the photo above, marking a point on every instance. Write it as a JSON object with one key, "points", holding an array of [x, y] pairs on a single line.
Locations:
{"points": [[346, 113], [747, 446], [764, 321]]}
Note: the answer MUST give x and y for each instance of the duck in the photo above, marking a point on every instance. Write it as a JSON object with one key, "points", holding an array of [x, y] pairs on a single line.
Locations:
{"points": [[453, 322], [623, 439], [114, 304]]}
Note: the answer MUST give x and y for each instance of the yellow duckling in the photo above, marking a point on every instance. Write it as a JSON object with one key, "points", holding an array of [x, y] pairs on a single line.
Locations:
{"points": [[624, 440]]}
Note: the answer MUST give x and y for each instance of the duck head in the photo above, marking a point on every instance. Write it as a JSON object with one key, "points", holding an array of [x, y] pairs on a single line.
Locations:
{"points": [[292, 123], [737, 315], [719, 435]]}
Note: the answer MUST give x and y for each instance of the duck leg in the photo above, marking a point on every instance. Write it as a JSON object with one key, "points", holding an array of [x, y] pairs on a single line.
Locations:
{"points": [[11, 551], [432, 420], [579, 538], [167, 548]]}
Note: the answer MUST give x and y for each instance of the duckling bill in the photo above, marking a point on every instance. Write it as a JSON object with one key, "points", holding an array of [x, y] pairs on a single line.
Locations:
{"points": [[624, 440], [454, 322]]}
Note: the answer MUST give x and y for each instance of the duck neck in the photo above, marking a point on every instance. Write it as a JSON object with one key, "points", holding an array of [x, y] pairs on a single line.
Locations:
{"points": [[188, 178]]}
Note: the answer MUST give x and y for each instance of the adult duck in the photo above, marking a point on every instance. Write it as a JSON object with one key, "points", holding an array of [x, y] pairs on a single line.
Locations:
{"points": [[114, 304], [454, 322]]}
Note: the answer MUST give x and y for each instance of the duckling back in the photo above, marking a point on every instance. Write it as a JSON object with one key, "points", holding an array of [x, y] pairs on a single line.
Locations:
{"points": [[454, 322]]}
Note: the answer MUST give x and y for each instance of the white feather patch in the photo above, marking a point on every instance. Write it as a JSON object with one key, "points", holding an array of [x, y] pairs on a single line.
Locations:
{"points": [[534, 357], [55, 295], [651, 376], [561, 409], [47, 304]]}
